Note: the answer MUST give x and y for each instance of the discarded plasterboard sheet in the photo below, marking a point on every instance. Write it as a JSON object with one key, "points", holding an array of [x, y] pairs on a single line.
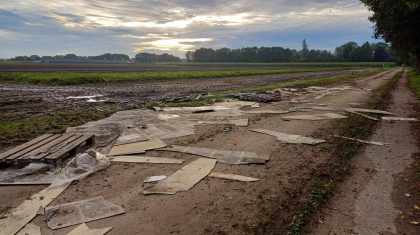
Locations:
{"points": [[155, 178], [237, 104], [183, 179], [290, 139], [364, 115], [138, 147], [189, 109], [21, 215], [374, 111], [130, 138], [145, 159], [166, 117], [267, 111], [236, 122], [30, 229], [78, 212], [321, 108], [83, 229], [169, 130], [233, 177], [400, 119], [315, 117], [222, 156], [362, 141]]}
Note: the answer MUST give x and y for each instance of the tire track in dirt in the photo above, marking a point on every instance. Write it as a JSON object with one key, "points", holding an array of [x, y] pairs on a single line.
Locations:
{"points": [[364, 204]]}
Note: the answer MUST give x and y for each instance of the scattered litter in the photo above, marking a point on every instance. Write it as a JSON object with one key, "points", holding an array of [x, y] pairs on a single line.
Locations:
{"points": [[83, 229], [81, 212], [315, 117], [368, 111], [19, 216], [81, 166], [138, 147], [414, 222], [222, 156], [144, 159], [364, 115], [362, 141], [233, 177], [30, 229], [156, 178], [183, 179], [290, 139], [227, 129], [400, 119]]}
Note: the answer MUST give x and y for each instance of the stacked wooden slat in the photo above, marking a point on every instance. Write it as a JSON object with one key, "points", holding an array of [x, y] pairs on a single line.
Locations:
{"points": [[47, 148]]}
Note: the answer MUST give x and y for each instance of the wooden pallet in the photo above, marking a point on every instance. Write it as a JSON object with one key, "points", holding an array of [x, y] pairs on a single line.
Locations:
{"points": [[47, 148]]}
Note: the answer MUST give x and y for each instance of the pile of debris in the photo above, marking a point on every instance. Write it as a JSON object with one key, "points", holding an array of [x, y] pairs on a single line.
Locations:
{"points": [[128, 136], [260, 96]]}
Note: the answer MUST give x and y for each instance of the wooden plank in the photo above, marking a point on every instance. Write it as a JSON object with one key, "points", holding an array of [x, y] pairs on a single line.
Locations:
{"points": [[69, 147], [24, 146], [37, 145], [45, 148], [57, 147]]}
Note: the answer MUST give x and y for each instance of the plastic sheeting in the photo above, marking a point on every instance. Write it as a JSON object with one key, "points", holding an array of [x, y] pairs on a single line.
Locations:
{"points": [[81, 166]]}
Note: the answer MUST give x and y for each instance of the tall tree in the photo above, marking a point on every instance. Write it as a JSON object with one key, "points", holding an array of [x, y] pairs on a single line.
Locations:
{"points": [[305, 50], [398, 23]]}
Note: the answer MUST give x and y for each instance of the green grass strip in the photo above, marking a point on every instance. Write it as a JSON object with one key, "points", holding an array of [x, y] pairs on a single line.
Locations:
{"points": [[73, 78], [414, 82]]}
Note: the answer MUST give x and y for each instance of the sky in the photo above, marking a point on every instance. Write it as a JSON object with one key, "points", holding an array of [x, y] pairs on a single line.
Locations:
{"points": [[93, 27]]}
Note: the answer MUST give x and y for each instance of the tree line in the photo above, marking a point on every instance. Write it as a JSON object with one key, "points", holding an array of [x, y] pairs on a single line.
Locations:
{"points": [[351, 51], [139, 58]]}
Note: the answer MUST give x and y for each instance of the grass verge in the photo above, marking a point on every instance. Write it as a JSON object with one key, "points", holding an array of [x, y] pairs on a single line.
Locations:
{"points": [[73, 78], [414, 82], [18, 131]]}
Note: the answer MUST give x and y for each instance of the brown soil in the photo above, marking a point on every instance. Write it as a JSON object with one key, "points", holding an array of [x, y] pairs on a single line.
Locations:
{"points": [[213, 206], [380, 194], [17, 100]]}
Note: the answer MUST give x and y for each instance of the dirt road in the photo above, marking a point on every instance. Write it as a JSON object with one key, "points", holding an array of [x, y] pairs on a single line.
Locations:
{"points": [[370, 201], [213, 206], [17, 100]]}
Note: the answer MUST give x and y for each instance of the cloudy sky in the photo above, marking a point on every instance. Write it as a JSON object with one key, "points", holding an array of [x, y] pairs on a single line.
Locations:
{"points": [[91, 27]]}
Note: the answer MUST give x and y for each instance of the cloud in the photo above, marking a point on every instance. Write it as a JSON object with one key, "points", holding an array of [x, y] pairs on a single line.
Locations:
{"points": [[184, 44], [176, 25]]}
